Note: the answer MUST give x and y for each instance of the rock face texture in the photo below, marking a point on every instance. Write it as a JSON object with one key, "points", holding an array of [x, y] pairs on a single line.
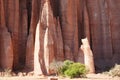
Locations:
{"points": [[88, 55], [33, 33]]}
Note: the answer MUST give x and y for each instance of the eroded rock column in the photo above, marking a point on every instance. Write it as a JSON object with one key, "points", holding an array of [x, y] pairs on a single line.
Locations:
{"points": [[68, 13]]}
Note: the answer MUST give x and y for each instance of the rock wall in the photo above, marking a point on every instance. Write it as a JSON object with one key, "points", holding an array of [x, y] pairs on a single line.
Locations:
{"points": [[45, 30]]}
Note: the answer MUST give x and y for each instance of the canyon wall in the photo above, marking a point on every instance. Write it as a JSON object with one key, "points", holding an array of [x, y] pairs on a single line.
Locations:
{"points": [[33, 33]]}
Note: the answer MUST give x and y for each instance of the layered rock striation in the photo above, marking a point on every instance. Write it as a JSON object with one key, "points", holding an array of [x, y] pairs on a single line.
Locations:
{"points": [[33, 33]]}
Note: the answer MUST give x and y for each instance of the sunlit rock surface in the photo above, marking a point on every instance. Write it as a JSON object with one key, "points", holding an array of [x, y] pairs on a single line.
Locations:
{"points": [[64, 23]]}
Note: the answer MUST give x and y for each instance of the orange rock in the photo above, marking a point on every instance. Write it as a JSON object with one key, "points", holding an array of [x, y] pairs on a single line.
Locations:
{"points": [[6, 51], [97, 20], [30, 53], [68, 9], [49, 50], [59, 43]]}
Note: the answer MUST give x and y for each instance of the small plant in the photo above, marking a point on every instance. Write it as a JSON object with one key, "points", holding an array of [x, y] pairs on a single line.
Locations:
{"points": [[7, 72], [65, 66], [115, 71], [56, 66], [68, 62], [68, 68], [73, 70]]}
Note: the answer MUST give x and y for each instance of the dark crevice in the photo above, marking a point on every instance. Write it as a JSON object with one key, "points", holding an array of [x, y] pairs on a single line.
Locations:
{"points": [[55, 7], [29, 11]]}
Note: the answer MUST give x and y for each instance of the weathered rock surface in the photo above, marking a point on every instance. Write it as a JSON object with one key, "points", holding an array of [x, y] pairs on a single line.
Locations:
{"points": [[37, 63], [6, 48], [63, 23], [68, 9], [30, 53], [49, 50], [88, 55]]}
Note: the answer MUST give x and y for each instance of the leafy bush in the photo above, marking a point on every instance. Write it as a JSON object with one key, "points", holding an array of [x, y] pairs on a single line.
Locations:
{"points": [[68, 62], [65, 66], [115, 71], [72, 69], [75, 70], [68, 68]]}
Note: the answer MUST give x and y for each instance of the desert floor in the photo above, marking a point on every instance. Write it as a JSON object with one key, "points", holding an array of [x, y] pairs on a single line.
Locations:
{"points": [[89, 77]]}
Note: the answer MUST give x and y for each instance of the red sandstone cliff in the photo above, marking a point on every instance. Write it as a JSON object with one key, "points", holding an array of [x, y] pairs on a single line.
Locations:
{"points": [[34, 32]]}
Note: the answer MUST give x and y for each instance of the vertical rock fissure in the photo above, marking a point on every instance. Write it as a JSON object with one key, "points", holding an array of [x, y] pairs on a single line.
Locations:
{"points": [[29, 11]]}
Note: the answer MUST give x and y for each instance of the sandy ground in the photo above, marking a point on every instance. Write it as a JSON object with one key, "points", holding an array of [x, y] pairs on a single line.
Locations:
{"points": [[89, 77]]}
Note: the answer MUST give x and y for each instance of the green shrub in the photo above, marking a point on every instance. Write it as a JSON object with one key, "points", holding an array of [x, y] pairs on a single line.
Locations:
{"points": [[115, 71], [65, 66], [75, 70], [68, 62], [72, 69], [68, 68]]}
